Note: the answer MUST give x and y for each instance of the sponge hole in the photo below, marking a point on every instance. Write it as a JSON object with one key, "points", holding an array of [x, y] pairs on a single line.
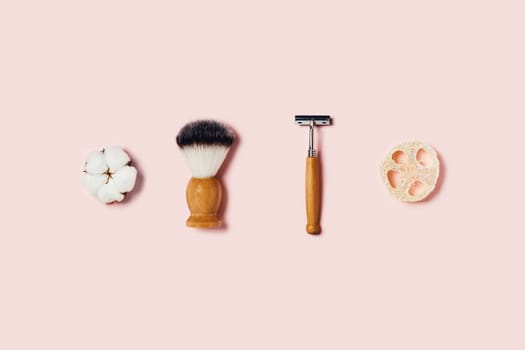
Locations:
{"points": [[417, 189], [394, 178], [399, 157], [424, 158]]}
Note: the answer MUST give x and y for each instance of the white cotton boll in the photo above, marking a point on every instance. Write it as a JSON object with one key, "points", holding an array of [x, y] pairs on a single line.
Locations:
{"points": [[108, 194], [93, 182], [96, 163], [116, 158], [124, 179], [108, 176]]}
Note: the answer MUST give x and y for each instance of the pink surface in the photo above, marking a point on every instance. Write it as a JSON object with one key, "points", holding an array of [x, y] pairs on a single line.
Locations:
{"points": [[444, 274]]}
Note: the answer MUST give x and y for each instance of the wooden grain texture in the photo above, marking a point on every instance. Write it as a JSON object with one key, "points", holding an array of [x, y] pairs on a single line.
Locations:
{"points": [[204, 199], [313, 195]]}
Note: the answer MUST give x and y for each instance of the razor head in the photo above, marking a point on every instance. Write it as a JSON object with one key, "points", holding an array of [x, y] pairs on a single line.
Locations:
{"points": [[312, 119]]}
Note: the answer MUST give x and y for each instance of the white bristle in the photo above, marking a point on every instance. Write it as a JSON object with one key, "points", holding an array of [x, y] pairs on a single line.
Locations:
{"points": [[205, 160]]}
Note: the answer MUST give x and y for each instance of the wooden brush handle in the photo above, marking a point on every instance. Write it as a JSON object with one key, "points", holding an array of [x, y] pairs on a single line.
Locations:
{"points": [[204, 198], [313, 195]]}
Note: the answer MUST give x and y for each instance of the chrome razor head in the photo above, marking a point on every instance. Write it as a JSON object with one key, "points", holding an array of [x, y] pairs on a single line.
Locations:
{"points": [[312, 119]]}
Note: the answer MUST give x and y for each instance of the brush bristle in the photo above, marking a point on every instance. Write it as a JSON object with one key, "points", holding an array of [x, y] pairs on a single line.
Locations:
{"points": [[205, 132], [205, 144]]}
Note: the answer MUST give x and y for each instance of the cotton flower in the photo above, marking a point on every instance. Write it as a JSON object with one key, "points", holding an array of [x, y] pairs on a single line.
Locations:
{"points": [[108, 174]]}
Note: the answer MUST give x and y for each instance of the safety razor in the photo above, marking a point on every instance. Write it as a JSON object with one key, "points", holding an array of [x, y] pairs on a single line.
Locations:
{"points": [[313, 190]]}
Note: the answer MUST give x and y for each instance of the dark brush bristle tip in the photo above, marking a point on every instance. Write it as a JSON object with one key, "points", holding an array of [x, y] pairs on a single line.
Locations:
{"points": [[205, 132]]}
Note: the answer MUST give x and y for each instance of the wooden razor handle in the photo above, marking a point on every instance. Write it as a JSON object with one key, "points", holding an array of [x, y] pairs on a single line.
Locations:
{"points": [[313, 195]]}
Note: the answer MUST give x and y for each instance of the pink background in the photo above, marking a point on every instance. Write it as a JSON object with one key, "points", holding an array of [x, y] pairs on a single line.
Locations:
{"points": [[444, 274]]}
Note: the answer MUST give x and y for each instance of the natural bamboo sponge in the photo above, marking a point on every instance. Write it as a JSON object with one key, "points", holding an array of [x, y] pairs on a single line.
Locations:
{"points": [[411, 171]]}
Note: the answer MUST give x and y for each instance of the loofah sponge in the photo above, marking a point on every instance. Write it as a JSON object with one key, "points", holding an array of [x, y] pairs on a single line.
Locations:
{"points": [[411, 171], [108, 174]]}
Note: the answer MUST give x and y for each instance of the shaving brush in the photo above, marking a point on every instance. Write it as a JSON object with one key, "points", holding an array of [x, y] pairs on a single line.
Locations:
{"points": [[205, 145]]}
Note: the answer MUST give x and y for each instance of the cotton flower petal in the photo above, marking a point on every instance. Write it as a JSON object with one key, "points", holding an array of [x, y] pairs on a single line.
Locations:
{"points": [[96, 163], [108, 194], [93, 182], [116, 158], [124, 179]]}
